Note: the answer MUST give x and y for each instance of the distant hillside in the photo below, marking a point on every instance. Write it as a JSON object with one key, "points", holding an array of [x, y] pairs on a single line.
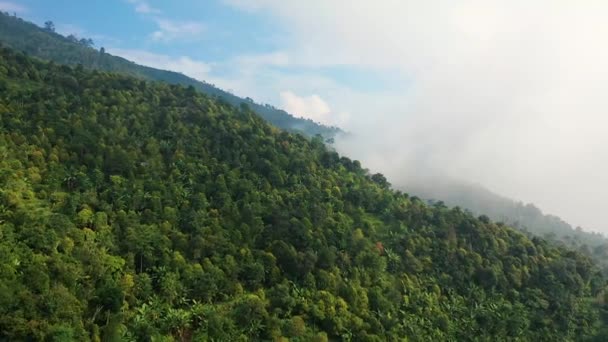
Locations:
{"points": [[526, 217], [46, 44]]}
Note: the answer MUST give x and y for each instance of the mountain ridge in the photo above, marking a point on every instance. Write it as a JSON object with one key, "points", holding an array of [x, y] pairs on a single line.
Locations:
{"points": [[526, 217], [25, 36]]}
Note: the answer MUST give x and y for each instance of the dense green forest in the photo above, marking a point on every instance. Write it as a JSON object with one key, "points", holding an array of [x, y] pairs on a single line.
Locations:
{"points": [[526, 217], [45, 43], [134, 211], [71, 50]]}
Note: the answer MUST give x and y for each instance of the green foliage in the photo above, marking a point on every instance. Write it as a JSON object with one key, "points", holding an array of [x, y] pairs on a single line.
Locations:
{"points": [[140, 211]]}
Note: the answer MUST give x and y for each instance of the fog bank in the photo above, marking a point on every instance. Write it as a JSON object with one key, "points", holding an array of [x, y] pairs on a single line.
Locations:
{"points": [[508, 94]]}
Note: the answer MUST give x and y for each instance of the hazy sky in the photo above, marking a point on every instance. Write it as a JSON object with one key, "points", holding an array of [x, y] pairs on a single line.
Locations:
{"points": [[510, 94]]}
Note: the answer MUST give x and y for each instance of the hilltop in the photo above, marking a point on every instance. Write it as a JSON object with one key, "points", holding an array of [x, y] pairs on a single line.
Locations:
{"points": [[71, 50]]}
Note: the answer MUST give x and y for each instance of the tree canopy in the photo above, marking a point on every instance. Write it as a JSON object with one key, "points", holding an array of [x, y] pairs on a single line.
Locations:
{"points": [[132, 210]]}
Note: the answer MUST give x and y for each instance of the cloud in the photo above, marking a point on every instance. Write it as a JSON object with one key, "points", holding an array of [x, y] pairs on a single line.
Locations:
{"points": [[312, 107], [144, 7], [183, 64], [247, 70], [278, 58], [9, 6], [507, 94], [272, 78], [169, 30]]}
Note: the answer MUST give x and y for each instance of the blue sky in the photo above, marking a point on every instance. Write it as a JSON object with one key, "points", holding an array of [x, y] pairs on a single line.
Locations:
{"points": [[220, 41], [209, 30], [508, 94]]}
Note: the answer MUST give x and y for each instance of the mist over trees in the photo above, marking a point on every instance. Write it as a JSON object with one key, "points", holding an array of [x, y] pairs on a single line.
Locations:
{"points": [[525, 217]]}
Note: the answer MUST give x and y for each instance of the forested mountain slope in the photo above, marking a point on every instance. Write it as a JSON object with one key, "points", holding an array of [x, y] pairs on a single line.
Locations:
{"points": [[132, 210], [25, 36], [35, 41], [526, 217]]}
